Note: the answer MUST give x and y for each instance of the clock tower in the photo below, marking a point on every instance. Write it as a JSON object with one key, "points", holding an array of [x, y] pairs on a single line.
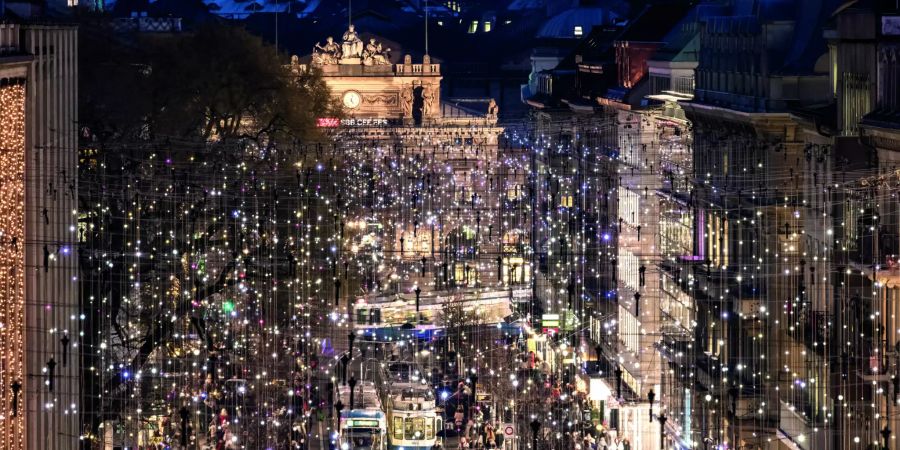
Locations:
{"points": [[368, 85]]}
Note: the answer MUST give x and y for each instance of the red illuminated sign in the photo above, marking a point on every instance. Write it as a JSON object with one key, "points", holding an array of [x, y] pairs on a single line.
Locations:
{"points": [[328, 122]]}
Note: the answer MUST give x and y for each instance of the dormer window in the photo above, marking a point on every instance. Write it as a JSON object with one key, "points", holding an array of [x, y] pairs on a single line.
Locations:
{"points": [[578, 30]]}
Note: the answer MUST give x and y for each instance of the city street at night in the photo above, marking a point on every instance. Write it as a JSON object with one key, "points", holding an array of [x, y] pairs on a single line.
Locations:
{"points": [[449, 225]]}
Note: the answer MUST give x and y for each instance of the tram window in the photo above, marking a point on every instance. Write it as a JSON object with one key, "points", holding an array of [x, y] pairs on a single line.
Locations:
{"points": [[409, 430], [374, 316], [362, 315], [429, 429], [398, 428], [419, 428]]}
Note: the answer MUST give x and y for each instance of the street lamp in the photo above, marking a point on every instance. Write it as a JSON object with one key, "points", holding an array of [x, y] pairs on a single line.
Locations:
{"points": [[618, 382], [352, 384], [418, 292], [535, 427], [651, 396], [345, 360], [886, 434], [351, 337], [662, 431], [338, 407], [185, 416]]}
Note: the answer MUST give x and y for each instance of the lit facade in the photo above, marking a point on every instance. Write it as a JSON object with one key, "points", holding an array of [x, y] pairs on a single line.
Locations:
{"points": [[443, 209], [40, 313]]}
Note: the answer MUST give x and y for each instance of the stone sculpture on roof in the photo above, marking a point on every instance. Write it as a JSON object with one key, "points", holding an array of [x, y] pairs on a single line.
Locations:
{"points": [[352, 46], [329, 53], [351, 51]]}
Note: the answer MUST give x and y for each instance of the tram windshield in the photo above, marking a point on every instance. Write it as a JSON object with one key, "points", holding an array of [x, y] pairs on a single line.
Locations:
{"points": [[414, 428], [363, 439]]}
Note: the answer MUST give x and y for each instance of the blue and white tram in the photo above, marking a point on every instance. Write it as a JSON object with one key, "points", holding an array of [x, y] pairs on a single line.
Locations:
{"points": [[397, 310], [363, 425], [413, 416]]}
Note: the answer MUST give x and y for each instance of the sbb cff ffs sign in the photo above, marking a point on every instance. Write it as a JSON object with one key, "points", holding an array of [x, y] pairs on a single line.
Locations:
{"points": [[550, 324], [334, 122]]}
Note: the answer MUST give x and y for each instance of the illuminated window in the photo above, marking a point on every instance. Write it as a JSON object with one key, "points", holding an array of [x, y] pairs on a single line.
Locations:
{"points": [[578, 30], [440, 23], [487, 27], [473, 27], [398, 428], [515, 192], [565, 201], [507, 21], [629, 206]]}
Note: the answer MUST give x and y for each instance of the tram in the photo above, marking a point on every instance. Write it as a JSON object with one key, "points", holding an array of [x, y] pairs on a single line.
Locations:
{"points": [[412, 412], [398, 310], [363, 424]]}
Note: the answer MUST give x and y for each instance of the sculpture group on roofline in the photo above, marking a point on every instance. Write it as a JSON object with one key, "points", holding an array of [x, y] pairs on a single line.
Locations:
{"points": [[351, 51]]}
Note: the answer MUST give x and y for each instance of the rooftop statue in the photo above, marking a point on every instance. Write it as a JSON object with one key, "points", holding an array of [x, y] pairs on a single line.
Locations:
{"points": [[375, 55], [329, 53], [493, 109], [353, 45]]}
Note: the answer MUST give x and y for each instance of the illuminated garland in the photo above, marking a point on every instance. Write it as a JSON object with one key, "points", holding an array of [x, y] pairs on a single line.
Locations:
{"points": [[12, 265]]}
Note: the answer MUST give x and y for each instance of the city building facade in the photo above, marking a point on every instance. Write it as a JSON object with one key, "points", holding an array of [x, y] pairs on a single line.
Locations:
{"points": [[40, 374]]}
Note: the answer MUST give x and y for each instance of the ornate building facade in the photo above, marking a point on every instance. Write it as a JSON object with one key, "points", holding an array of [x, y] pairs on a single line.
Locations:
{"points": [[436, 205]]}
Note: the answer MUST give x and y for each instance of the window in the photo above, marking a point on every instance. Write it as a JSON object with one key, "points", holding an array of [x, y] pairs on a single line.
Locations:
{"points": [[419, 427], [514, 192], [429, 429], [409, 429], [856, 101], [398, 428], [473, 27], [362, 315], [487, 27], [578, 30]]}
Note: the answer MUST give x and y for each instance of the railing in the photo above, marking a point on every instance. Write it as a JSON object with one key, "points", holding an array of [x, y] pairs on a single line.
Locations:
{"points": [[413, 69]]}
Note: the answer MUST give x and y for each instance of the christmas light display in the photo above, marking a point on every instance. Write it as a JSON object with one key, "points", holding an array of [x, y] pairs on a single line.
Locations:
{"points": [[12, 264], [225, 280]]}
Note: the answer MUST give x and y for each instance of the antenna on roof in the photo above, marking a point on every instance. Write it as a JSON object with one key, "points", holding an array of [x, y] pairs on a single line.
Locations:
{"points": [[276, 27], [349, 12], [426, 27]]}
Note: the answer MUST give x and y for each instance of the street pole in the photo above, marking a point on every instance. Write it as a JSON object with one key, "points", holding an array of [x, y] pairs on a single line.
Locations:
{"points": [[662, 431], [535, 427]]}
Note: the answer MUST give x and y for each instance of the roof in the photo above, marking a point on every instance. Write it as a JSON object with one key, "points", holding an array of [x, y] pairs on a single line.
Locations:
{"points": [[882, 118], [518, 5], [808, 40], [683, 41], [562, 26]]}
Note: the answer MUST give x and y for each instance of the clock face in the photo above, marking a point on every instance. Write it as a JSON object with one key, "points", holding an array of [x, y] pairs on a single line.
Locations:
{"points": [[351, 99]]}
